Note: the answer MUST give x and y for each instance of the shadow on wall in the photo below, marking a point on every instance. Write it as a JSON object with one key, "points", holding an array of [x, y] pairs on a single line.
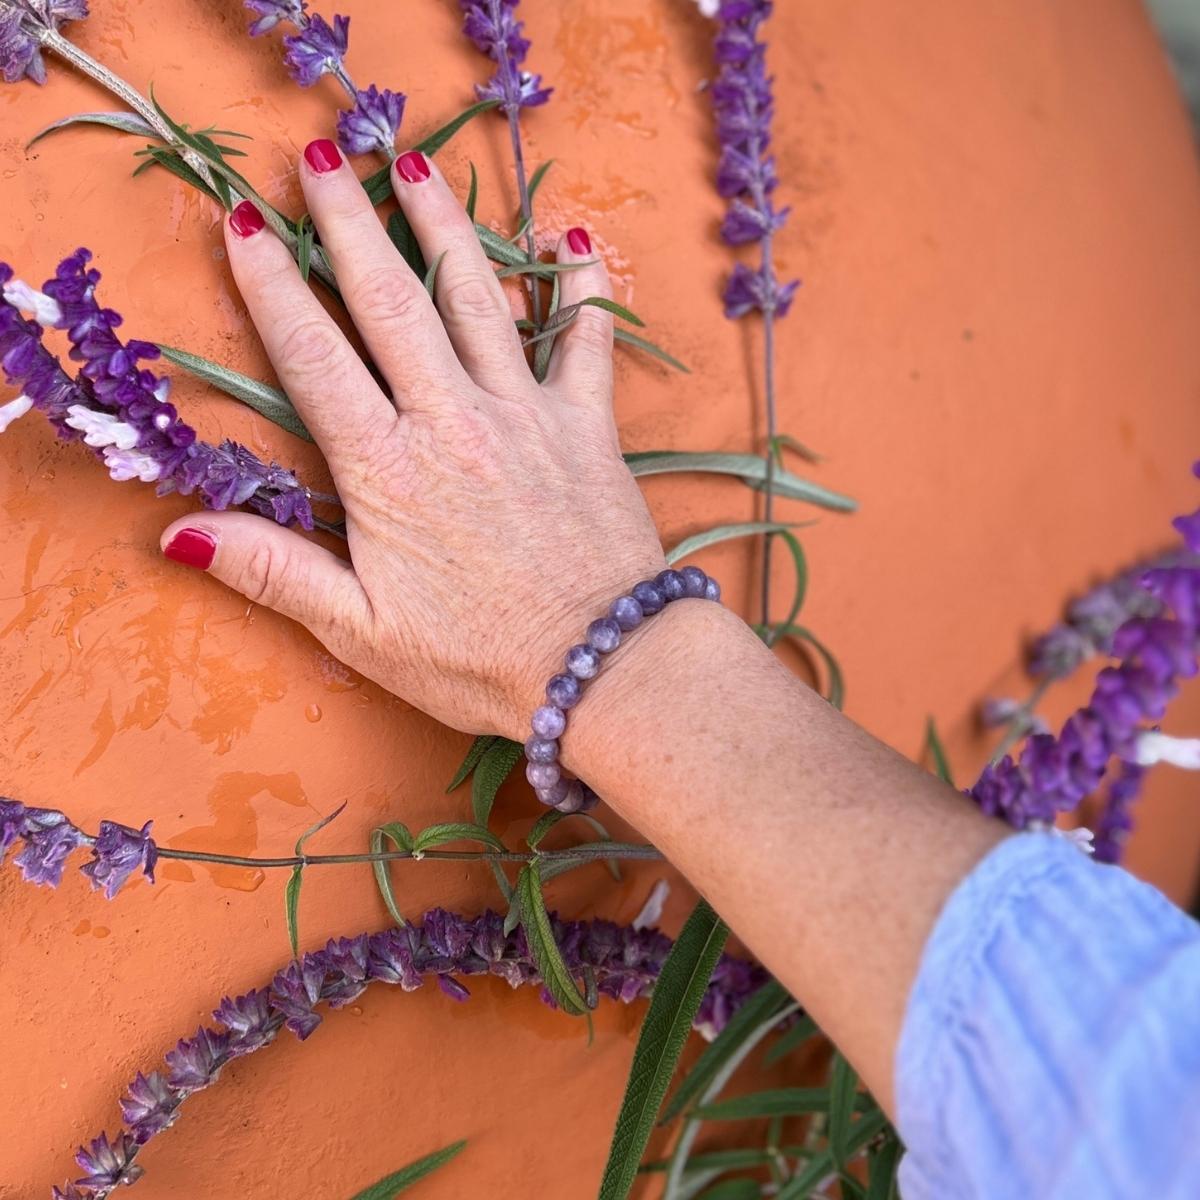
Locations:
{"points": [[1179, 23]]}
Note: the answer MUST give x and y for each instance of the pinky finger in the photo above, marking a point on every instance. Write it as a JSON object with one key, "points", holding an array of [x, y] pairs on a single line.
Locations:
{"points": [[581, 365]]}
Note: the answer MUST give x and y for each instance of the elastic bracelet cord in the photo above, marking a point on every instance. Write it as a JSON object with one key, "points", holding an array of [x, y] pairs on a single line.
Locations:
{"points": [[554, 785]]}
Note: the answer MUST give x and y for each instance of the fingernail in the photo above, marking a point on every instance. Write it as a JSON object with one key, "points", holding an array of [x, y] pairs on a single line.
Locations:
{"points": [[246, 220], [412, 167], [322, 155], [193, 548], [579, 241]]}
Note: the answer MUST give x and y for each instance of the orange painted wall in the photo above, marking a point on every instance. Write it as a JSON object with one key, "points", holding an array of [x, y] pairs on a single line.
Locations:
{"points": [[996, 217]]}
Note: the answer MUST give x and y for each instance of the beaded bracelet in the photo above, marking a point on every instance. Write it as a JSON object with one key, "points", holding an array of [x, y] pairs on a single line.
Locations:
{"points": [[553, 785]]}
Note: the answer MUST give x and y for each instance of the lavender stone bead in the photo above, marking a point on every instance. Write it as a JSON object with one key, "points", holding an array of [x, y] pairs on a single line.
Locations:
{"points": [[564, 691], [543, 775], [627, 613], [541, 750], [694, 582], [548, 721], [650, 596], [552, 795], [604, 635], [573, 799], [590, 798], [712, 590], [582, 661], [671, 584]]}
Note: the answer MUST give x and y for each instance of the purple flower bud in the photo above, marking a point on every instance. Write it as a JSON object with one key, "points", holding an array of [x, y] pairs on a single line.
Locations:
{"points": [[150, 1106], [318, 49], [272, 12], [108, 1164], [249, 1020], [197, 1061], [373, 122], [749, 290], [495, 30], [12, 823], [295, 992], [346, 970], [22, 24], [49, 840], [117, 852], [453, 989]]}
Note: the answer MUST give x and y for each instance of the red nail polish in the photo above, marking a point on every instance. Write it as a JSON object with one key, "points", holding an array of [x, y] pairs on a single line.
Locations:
{"points": [[322, 155], [246, 220], [193, 548], [412, 167], [579, 241]]}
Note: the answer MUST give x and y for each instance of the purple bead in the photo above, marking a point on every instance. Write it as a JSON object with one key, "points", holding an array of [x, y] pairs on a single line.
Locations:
{"points": [[650, 596], [543, 775], [627, 613], [549, 721], [694, 582], [572, 800], [552, 795], [671, 584], [582, 661], [590, 799], [564, 691], [712, 590], [604, 635], [541, 750]]}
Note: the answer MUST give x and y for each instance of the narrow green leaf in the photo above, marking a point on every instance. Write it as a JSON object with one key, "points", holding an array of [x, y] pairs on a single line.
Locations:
{"points": [[479, 747], [400, 837], [535, 180], [790, 1040], [784, 441], [937, 752], [494, 767], [882, 1164], [497, 249], [431, 275], [732, 1189], [268, 401], [843, 1094], [453, 831], [542, 826], [801, 567], [763, 1005], [774, 1102], [125, 122], [802, 1183], [472, 193], [557, 322], [836, 694], [173, 163], [544, 949], [337, 812], [677, 994], [648, 347], [306, 232], [723, 1160], [291, 908], [748, 467], [727, 533], [613, 307], [403, 1179], [403, 238], [546, 270]]}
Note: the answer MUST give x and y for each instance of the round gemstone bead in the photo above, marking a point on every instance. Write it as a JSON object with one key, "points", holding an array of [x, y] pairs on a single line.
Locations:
{"points": [[572, 800], [541, 750], [543, 775], [564, 691], [549, 721], [627, 613], [590, 799], [694, 582], [712, 590], [650, 596], [671, 584], [552, 795], [582, 661], [604, 635]]}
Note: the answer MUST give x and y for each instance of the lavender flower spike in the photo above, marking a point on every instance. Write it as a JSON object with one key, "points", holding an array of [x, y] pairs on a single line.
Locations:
{"points": [[108, 1164], [318, 49], [373, 122], [493, 26], [23, 26], [117, 853], [272, 12]]}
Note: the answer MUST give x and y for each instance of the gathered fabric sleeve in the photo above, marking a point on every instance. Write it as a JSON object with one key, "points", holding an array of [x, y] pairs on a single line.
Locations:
{"points": [[1051, 1044]]}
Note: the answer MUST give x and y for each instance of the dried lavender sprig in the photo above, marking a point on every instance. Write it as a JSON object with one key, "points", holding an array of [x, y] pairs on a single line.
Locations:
{"points": [[624, 963], [120, 410], [373, 121]]}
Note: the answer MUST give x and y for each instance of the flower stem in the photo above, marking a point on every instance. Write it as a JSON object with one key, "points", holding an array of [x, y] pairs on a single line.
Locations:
{"points": [[591, 851], [1018, 723]]}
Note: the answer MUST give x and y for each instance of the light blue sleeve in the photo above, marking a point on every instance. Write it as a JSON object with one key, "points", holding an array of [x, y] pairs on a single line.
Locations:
{"points": [[1051, 1046]]}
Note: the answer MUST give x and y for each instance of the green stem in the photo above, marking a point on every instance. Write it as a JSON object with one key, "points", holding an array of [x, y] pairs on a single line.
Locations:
{"points": [[575, 854]]}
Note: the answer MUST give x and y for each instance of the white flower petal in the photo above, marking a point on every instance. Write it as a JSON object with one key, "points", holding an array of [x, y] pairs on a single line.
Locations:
{"points": [[1153, 747], [13, 409], [102, 429], [652, 910], [44, 309], [131, 464]]}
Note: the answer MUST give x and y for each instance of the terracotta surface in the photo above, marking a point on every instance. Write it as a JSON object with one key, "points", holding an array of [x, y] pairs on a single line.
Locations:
{"points": [[996, 219]]}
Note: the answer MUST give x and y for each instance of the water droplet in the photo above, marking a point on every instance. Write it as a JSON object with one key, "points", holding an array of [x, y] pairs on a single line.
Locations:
{"points": [[313, 713], [101, 931], [356, 1010], [82, 928]]}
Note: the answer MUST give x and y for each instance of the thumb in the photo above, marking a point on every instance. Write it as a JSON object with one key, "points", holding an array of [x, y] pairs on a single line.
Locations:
{"points": [[272, 566]]}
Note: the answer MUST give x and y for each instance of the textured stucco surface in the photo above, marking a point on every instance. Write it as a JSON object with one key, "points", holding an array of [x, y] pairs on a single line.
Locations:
{"points": [[996, 219]]}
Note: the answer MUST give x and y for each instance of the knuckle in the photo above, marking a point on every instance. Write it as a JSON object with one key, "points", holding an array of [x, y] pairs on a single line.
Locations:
{"points": [[388, 295], [591, 335], [468, 298], [309, 347], [264, 573]]}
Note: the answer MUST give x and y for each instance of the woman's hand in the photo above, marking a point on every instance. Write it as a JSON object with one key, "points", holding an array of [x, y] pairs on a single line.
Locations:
{"points": [[489, 518]]}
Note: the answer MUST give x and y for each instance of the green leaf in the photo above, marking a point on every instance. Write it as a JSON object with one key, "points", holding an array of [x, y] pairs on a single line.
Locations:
{"points": [[727, 533], [843, 1094], [774, 1102], [798, 560], [379, 185], [791, 1038], [721, 1160], [403, 1179], [647, 346], [882, 1164], [535, 180], [556, 322], [403, 238], [268, 401], [836, 694], [125, 122], [494, 767], [306, 232], [173, 163], [544, 949], [803, 1182], [677, 994], [936, 751], [762, 1006], [400, 837], [784, 441], [479, 747], [732, 1189], [472, 193], [431, 275], [545, 270], [497, 249], [613, 307], [453, 831], [337, 812], [748, 467], [291, 908], [542, 826]]}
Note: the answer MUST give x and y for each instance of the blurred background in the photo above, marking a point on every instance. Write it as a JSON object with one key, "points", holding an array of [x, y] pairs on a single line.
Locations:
{"points": [[1179, 21]]}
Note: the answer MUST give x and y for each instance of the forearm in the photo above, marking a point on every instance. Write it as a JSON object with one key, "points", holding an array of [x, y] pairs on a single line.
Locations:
{"points": [[829, 854]]}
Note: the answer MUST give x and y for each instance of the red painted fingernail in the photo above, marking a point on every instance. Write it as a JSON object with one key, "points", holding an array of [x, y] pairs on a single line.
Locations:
{"points": [[193, 548], [322, 155], [412, 167], [579, 241], [246, 220]]}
